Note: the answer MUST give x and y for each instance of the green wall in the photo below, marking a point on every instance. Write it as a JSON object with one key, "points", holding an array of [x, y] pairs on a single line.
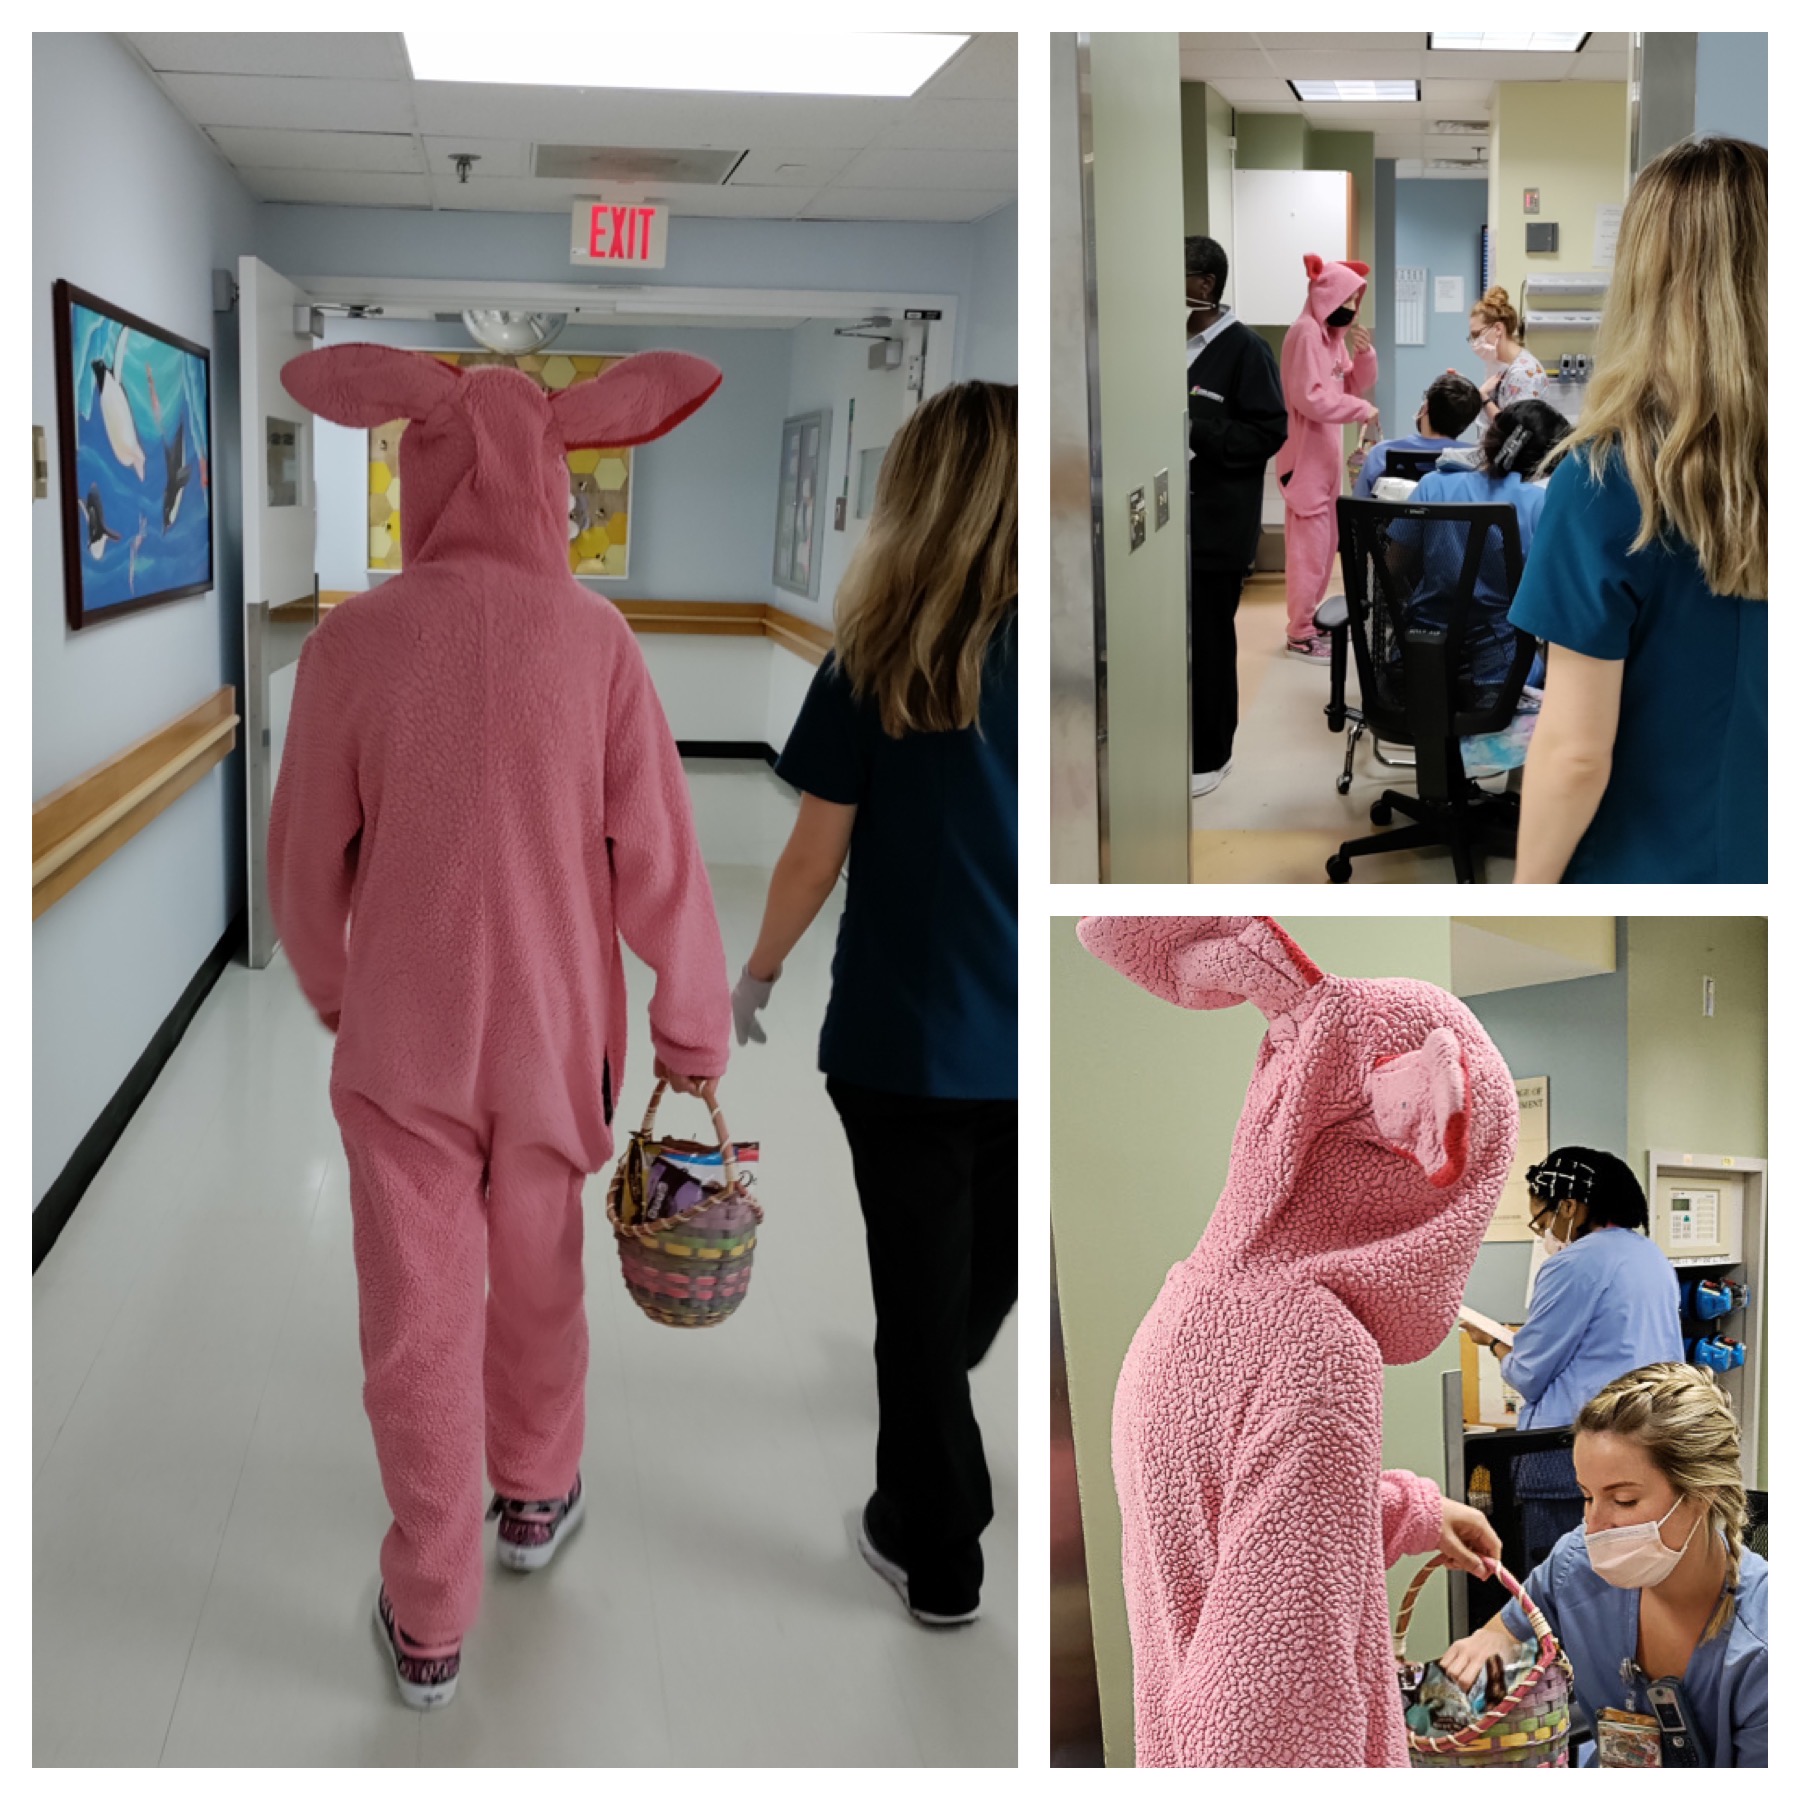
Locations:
{"points": [[1695, 1083], [1195, 198], [1135, 1080], [1135, 97]]}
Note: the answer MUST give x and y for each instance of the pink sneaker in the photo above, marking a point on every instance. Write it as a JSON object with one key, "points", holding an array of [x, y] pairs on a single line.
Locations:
{"points": [[1316, 649], [426, 1673], [531, 1530]]}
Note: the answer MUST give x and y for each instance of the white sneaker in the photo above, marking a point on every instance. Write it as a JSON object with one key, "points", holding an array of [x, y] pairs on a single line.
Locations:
{"points": [[1205, 782]]}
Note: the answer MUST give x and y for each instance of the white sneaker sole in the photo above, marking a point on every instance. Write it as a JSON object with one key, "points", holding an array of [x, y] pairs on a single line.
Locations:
{"points": [[420, 1699], [526, 1557], [895, 1576]]}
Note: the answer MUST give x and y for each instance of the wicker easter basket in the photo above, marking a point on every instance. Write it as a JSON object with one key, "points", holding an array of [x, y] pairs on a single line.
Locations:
{"points": [[692, 1268], [1528, 1728]]}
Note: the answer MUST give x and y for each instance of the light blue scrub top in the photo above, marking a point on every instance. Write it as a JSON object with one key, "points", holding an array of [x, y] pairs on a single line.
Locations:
{"points": [[1608, 1304], [1725, 1692]]}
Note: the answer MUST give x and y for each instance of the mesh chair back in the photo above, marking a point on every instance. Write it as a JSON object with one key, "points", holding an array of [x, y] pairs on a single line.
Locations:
{"points": [[1525, 1482], [1445, 575], [1409, 465], [1756, 1534]]}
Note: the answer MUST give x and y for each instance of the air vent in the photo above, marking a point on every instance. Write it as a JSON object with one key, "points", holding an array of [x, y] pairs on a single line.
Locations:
{"points": [[1460, 127], [1456, 162], [581, 162]]}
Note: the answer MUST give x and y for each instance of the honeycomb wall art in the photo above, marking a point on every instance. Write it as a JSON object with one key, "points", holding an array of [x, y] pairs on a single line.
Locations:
{"points": [[599, 480]]}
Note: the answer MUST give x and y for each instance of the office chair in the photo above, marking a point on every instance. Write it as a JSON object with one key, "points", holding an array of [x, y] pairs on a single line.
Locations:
{"points": [[1410, 465], [1756, 1533], [1414, 687]]}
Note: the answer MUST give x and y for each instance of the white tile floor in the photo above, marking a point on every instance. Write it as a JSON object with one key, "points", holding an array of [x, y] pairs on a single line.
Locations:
{"points": [[207, 1509]]}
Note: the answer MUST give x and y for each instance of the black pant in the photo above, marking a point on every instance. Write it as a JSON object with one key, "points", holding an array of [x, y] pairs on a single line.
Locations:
{"points": [[1212, 627], [938, 1181]]}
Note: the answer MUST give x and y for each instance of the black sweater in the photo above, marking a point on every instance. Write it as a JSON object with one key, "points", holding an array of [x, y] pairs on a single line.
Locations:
{"points": [[1237, 420]]}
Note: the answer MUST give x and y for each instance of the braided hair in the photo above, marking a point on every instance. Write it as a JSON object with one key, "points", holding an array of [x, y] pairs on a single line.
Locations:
{"points": [[1683, 1421]]}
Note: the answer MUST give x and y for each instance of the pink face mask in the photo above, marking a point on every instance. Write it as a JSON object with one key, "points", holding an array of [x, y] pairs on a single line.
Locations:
{"points": [[1634, 1556], [1487, 346]]}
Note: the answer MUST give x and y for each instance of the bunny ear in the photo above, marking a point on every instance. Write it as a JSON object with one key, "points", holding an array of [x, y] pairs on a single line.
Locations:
{"points": [[1360, 268], [1206, 963], [1420, 1101], [635, 400], [368, 384], [1313, 265]]}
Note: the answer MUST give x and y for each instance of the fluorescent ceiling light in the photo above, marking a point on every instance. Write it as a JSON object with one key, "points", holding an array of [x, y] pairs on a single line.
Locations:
{"points": [[1389, 92], [1565, 41], [880, 65]]}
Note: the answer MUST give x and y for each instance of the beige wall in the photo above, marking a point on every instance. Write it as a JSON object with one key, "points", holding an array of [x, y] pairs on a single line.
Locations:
{"points": [[1570, 140], [1136, 1084]]}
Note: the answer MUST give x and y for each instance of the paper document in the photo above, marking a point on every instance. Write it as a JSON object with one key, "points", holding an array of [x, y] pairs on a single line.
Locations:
{"points": [[1409, 306], [1468, 1315]]}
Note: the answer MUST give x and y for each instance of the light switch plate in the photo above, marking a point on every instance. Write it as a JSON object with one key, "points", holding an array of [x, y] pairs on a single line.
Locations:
{"points": [[1134, 502], [1162, 498]]}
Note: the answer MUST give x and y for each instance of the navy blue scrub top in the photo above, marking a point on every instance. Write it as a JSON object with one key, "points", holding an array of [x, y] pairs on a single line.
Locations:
{"points": [[924, 985], [1688, 797]]}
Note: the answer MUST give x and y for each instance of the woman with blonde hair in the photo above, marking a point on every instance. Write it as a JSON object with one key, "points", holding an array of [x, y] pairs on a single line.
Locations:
{"points": [[1497, 336], [906, 757], [1659, 1606], [1650, 574]]}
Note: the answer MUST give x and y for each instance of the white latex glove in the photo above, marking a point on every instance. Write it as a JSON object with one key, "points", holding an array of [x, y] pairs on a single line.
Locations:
{"points": [[748, 998]]}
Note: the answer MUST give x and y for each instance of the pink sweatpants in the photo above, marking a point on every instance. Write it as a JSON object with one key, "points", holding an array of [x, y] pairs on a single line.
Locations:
{"points": [[468, 1264], [1312, 542]]}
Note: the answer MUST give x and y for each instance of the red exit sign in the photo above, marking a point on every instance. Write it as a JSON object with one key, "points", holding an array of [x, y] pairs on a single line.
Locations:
{"points": [[628, 236]]}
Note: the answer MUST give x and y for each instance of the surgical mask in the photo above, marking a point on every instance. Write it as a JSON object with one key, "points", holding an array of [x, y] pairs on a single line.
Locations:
{"points": [[1634, 1556], [1342, 316], [1487, 346], [1552, 1243]]}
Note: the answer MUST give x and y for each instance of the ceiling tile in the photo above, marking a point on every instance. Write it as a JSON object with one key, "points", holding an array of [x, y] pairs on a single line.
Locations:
{"points": [[324, 187], [499, 156], [1223, 40], [351, 55], [282, 104], [900, 203], [1384, 41], [986, 68], [1258, 96], [788, 166], [386, 152], [934, 169], [955, 125], [1222, 65]]}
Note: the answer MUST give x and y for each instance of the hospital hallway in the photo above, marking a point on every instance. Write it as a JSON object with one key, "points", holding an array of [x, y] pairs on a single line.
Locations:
{"points": [[207, 1510], [1278, 815]]}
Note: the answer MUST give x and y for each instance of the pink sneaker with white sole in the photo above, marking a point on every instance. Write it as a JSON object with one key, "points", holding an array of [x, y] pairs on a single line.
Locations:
{"points": [[426, 1673], [531, 1530]]}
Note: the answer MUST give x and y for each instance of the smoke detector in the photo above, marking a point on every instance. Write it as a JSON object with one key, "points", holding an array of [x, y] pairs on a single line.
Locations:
{"points": [[514, 333]]}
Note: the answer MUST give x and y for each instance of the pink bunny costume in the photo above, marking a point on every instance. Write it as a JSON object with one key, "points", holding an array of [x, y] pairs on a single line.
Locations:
{"points": [[1323, 385], [478, 796], [1374, 1141]]}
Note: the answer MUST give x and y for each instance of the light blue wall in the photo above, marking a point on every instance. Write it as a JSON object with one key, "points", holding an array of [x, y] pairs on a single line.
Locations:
{"points": [[989, 350], [703, 502], [1731, 84], [1574, 1032], [1437, 224], [128, 202]]}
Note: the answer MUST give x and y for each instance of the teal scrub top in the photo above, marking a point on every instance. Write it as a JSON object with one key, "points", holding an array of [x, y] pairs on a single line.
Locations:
{"points": [[1725, 1689], [1688, 797]]}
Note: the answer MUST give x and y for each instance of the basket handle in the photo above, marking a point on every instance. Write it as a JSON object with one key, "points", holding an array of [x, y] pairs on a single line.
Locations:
{"points": [[1548, 1652], [727, 1150]]}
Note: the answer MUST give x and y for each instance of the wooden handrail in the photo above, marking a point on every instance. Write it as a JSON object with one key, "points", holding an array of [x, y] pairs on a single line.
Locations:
{"points": [[75, 829], [701, 618]]}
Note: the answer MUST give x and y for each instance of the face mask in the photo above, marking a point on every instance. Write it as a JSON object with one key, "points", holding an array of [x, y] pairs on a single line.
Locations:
{"points": [[1552, 1243], [1342, 316], [1487, 346], [1634, 1556]]}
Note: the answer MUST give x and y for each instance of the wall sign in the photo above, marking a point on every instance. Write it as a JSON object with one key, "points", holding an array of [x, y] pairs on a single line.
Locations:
{"points": [[1511, 1221], [634, 237]]}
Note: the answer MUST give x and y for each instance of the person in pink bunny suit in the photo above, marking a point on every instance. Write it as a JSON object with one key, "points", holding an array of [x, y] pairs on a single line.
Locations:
{"points": [[478, 797], [1327, 365], [1374, 1142]]}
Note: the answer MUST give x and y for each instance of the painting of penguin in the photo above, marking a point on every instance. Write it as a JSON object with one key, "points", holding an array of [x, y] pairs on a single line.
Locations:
{"points": [[176, 474], [99, 533], [115, 410]]}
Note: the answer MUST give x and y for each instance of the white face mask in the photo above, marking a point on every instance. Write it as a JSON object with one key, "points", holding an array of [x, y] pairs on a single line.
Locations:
{"points": [[1487, 346], [1634, 1556]]}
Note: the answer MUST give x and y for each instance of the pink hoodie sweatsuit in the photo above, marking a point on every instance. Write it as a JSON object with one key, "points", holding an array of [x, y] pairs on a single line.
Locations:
{"points": [[1374, 1141], [479, 794], [1322, 384]]}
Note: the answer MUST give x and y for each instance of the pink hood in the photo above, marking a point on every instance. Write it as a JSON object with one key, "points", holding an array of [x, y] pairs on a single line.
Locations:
{"points": [[1376, 1135], [1331, 285]]}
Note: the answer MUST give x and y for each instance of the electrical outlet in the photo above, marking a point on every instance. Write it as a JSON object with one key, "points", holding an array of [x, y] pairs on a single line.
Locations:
{"points": [[1134, 502], [1162, 498]]}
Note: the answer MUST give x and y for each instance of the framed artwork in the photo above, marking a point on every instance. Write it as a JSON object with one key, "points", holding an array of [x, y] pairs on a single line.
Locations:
{"points": [[799, 516], [599, 480], [134, 416]]}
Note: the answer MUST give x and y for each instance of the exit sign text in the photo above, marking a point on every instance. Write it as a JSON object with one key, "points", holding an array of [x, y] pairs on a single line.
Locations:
{"points": [[626, 236]]}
